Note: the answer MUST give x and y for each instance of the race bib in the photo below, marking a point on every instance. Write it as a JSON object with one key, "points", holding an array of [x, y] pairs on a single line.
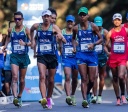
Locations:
{"points": [[119, 47], [84, 47], [19, 47], [98, 48], [69, 50], [45, 47]]}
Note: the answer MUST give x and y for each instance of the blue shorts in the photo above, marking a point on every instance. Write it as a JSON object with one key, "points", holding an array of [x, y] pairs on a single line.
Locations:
{"points": [[88, 58], [70, 62]]}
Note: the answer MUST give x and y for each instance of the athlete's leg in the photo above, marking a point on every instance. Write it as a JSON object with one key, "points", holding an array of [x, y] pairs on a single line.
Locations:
{"points": [[42, 86], [92, 77], [67, 86], [121, 73], [22, 74], [51, 73], [15, 70], [102, 73], [95, 83], [74, 81], [83, 72]]}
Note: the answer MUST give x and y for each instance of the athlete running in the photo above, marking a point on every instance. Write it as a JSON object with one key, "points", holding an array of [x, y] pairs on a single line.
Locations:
{"points": [[117, 56], [19, 36], [46, 57], [69, 62], [102, 59], [86, 55]]}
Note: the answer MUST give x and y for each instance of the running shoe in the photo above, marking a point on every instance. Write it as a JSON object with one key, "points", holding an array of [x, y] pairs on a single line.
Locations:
{"points": [[85, 104], [93, 100], [43, 102], [118, 102], [99, 99], [19, 102], [15, 101], [68, 100], [49, 104], [89, 98], [52, 101], [127, 98], [73, 100], [124, 101]]}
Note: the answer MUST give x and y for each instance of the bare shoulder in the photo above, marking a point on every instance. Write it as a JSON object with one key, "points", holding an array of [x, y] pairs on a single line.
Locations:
{"points": [[35, 26], [75, 28], [94, 27]]}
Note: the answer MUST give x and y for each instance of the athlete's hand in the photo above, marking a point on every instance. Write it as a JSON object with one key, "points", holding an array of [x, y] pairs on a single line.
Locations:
{"points": [[108, 54], [3, 48], [90, 46], [74, 50], [35, 56], [21, 42]]}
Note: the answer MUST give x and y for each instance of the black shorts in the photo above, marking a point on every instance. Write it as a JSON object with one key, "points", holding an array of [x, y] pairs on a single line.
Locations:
{"points": [[7, 76], [50, 61]]}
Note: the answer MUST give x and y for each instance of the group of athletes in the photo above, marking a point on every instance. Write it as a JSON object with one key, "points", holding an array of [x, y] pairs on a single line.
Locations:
{"points": [[85, 48]]}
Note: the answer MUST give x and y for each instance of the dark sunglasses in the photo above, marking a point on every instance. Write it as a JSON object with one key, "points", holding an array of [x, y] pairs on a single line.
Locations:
{"points": [[82, 14], [17, 19]]}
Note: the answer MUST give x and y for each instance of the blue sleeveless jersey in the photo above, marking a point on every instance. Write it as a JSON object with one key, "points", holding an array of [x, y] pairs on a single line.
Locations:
{"points": [[46, 41], [15, 37], [99, 48], [67, 47], [85, 37]]}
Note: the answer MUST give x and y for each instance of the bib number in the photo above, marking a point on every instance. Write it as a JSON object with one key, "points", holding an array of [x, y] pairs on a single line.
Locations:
{"points": [[68, 50], [19, 47], [45, 47], [84, 47], [119, 48], [98, 48]]}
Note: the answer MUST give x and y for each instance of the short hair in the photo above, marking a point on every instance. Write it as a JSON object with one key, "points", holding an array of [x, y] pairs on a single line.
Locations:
{"points": [[18, 13], [52, 10]]}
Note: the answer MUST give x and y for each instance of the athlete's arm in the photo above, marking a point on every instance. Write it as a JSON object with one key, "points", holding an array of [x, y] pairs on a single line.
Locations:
{"points": [[105, 35], [108, 41], [8, 38], [57, 31], [28, 35], [97, 32], [32, 29], [75, 30]]}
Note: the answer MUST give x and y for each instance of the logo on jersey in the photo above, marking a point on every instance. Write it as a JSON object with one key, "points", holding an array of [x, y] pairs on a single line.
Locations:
{"points": [[119, 38]]}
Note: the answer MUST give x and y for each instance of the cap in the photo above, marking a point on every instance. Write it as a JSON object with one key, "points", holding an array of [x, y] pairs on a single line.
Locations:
{"points": [[117, 16], [127, 15], [98, 21], [46, 12], [70, 18], [83, 9]]}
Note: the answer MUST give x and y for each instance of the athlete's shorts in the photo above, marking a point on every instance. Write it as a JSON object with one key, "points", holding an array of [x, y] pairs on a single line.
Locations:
{"points": [[102, 59], [116, 63], [21, 60], [7, 76], [69, 62], [89, 58], [50, 61]]}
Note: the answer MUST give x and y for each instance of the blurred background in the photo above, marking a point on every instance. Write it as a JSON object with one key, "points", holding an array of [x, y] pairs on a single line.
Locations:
{"points": [[103, 8]]}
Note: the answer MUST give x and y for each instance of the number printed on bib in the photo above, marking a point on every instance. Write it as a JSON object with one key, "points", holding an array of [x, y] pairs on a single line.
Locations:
{"points": [[84, 47], [69, 50], [19, 47], [119, 47], [45, 47], [98, 48]]}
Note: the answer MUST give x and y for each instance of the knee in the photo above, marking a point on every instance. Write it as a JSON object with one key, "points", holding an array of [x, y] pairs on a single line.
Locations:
{"points": [[14, 79], [101, 77], [84, 79], [42, 78], [115, 78]]}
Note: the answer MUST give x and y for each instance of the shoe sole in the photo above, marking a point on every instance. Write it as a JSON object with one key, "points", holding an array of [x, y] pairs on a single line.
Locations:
{"points": [[68, 101], [43, 103], [85, 105]]}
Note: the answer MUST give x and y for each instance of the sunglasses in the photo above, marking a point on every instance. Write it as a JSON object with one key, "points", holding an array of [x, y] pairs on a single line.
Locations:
{"points": [[82, 14], [17, 19]]}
